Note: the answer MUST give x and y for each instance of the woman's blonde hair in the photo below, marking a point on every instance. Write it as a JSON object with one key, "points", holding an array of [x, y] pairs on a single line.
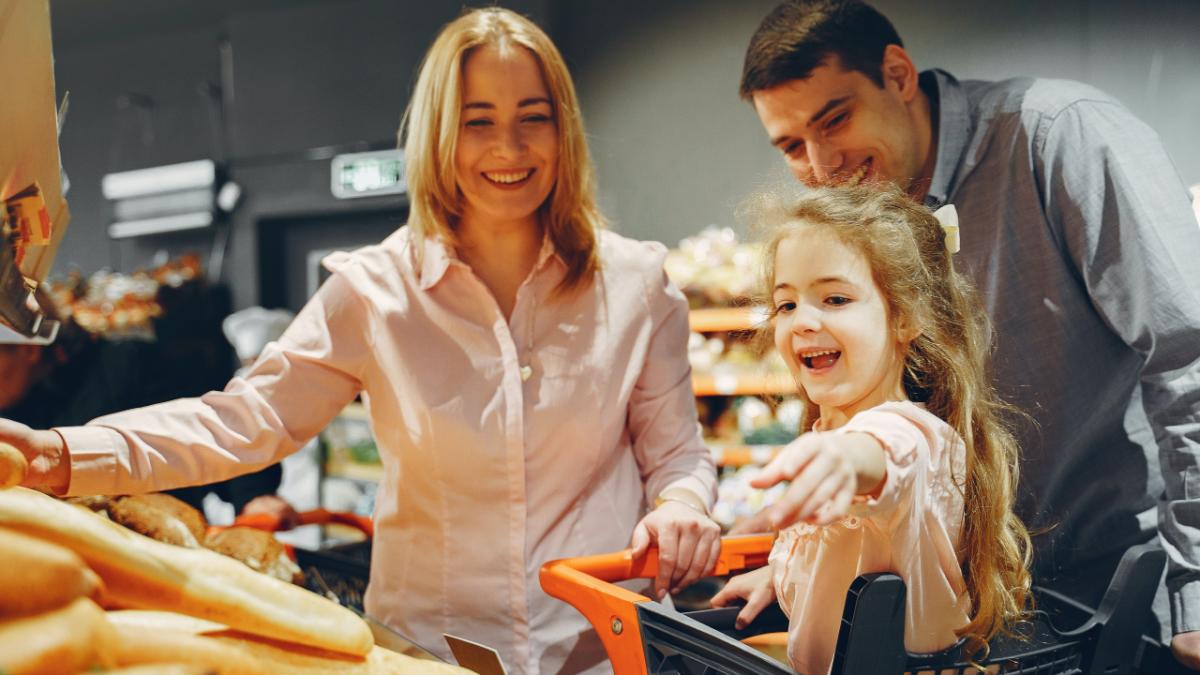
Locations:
{"points": [[946, 368], [429, 136]]}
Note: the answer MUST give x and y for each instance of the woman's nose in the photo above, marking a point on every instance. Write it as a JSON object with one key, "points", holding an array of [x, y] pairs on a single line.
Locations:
{"points": [[509, 142]]}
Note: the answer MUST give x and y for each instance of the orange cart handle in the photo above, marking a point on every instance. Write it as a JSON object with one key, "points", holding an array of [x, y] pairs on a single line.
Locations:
{"points": [[270, 523], [585, 584]]}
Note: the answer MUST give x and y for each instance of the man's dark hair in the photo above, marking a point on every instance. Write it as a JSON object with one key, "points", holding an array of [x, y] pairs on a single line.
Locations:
{"points": [[799, 35]]}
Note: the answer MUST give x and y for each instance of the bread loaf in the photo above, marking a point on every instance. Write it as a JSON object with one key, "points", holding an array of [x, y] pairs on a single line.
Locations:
{"points": [[12, 466], [277, 657], [69, 640], [139, 572], [40, 576], [162, 517]]}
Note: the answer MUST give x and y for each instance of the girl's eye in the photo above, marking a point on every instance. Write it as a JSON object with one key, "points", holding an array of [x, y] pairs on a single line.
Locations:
{"points": [[784, 307], [837, 300]]}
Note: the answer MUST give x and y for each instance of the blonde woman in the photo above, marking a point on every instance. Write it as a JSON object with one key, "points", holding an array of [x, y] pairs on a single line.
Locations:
{"points": [[525, 373]]}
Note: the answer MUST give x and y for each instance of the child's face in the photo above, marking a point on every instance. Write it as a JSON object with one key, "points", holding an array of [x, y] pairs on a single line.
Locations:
{"points": [[832, 326]]}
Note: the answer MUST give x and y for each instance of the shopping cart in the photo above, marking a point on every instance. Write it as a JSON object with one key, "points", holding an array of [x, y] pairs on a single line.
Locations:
{"points": [[643, 637]]}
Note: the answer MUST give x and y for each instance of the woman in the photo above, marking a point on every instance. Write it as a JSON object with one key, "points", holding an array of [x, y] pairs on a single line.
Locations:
{"points": [[525, 373]]}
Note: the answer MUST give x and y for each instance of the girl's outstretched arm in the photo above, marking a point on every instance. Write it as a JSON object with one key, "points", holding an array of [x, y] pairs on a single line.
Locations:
{"points": [[827, 472], [756, 588]]}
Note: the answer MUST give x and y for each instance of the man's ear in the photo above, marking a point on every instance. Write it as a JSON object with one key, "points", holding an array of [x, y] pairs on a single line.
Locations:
{"points": [[899, 73]]}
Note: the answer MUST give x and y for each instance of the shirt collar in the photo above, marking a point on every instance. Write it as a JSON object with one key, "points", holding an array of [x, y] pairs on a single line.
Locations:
{"points": [[950, 112], [438, 257]]}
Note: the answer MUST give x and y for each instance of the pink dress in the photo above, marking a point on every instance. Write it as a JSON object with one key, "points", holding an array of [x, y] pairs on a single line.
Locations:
{"points": [[505, 443], [912, 529]]}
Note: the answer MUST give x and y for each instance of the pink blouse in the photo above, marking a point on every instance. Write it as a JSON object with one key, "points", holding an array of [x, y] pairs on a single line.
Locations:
{"points": [[505, 444], [912, 530]]}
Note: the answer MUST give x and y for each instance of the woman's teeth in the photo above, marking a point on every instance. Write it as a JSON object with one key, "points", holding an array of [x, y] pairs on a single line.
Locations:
{"points": [[822, 359], [508, 177]]}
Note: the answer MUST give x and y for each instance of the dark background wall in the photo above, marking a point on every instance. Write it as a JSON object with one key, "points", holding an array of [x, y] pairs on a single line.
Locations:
{"points": [[298, 81]]}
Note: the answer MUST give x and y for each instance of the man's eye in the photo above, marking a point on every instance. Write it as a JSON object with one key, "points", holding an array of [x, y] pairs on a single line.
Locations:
{"points": [[794, 148], [837, 120]]}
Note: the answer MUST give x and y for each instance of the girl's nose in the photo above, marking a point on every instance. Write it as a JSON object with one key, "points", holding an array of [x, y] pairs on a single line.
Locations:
{"points": [[806, 319]]}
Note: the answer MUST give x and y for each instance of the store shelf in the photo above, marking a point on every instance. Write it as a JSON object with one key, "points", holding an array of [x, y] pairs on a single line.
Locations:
{"points": [[743, 384], [721, 319], [742, 455], [354, 471]]}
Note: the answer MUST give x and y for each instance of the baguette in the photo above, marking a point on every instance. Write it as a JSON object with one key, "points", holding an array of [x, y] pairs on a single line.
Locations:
{"points": [[142, 573], [12, 466], [278, 657], [137, 647], [75, 638], [40, 576]]}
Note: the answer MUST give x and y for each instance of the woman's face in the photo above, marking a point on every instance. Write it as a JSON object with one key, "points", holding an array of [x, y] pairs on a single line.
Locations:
{"points": [[507, 155]]}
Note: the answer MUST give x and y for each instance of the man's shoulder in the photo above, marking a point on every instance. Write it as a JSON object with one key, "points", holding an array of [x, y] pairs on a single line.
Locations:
{"points": [[1034, 98]]}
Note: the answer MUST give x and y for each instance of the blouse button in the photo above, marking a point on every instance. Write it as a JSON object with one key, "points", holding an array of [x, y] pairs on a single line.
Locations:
{"points": [[526, 372]]}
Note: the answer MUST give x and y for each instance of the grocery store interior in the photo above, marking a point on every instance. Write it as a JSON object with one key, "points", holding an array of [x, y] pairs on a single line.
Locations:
{"points": [[279, 119]]}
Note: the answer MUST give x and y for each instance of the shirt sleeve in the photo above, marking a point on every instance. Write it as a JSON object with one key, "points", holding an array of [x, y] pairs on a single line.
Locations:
{"points": [[294, 389], [1125, 220], [663, 425]]}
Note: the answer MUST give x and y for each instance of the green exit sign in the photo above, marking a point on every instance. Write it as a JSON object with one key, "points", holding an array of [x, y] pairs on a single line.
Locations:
{"points": [[368, 174]]}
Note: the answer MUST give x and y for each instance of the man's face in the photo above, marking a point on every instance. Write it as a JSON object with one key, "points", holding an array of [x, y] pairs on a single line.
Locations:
{"points": [[839, 128]]}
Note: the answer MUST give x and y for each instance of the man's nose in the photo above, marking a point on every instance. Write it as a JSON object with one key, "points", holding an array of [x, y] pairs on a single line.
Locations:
{"points": [[825, 160]]}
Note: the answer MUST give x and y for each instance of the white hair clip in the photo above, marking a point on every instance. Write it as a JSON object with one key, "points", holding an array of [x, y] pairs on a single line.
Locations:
{"points": [[948, 217]]}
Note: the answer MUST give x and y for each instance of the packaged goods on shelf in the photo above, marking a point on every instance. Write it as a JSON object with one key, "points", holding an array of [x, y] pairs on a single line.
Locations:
{"points": [[113, 304], [713, 269]]}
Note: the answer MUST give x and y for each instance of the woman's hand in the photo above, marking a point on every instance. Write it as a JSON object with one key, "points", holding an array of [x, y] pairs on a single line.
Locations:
{"points": [[689, 543], [45, 451], [826, 471], [756, 588]]}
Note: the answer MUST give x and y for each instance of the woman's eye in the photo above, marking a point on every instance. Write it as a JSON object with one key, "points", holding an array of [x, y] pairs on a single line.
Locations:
{"points": [[536, 119], [478, 122]]}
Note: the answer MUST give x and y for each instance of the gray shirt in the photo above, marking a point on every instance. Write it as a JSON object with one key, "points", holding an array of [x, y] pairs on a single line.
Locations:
{"points": [[1080, 236]]}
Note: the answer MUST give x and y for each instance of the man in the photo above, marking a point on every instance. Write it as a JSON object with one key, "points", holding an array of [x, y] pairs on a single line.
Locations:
{"points": [[1080, 237]]}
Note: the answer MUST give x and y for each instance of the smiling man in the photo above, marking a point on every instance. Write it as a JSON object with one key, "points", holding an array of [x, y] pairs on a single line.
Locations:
{"points": [[1080, 237]]}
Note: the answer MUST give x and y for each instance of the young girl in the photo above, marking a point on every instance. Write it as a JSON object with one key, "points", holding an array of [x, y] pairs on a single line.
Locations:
{"points": [[888, 345]]}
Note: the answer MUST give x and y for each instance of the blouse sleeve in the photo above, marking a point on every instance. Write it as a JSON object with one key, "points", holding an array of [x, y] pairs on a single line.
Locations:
{"points": [[662, 408], [907, 450], [294, 389]]}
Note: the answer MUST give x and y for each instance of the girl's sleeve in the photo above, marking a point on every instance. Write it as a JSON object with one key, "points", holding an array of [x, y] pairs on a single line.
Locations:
{"points": [[295, 388], [662, 408], [907, 452]]}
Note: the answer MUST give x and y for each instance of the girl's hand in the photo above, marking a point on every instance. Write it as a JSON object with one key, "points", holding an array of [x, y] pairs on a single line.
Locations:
{"points": [[45, 452], [689, 543], [754, 587], [826, 471]]}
